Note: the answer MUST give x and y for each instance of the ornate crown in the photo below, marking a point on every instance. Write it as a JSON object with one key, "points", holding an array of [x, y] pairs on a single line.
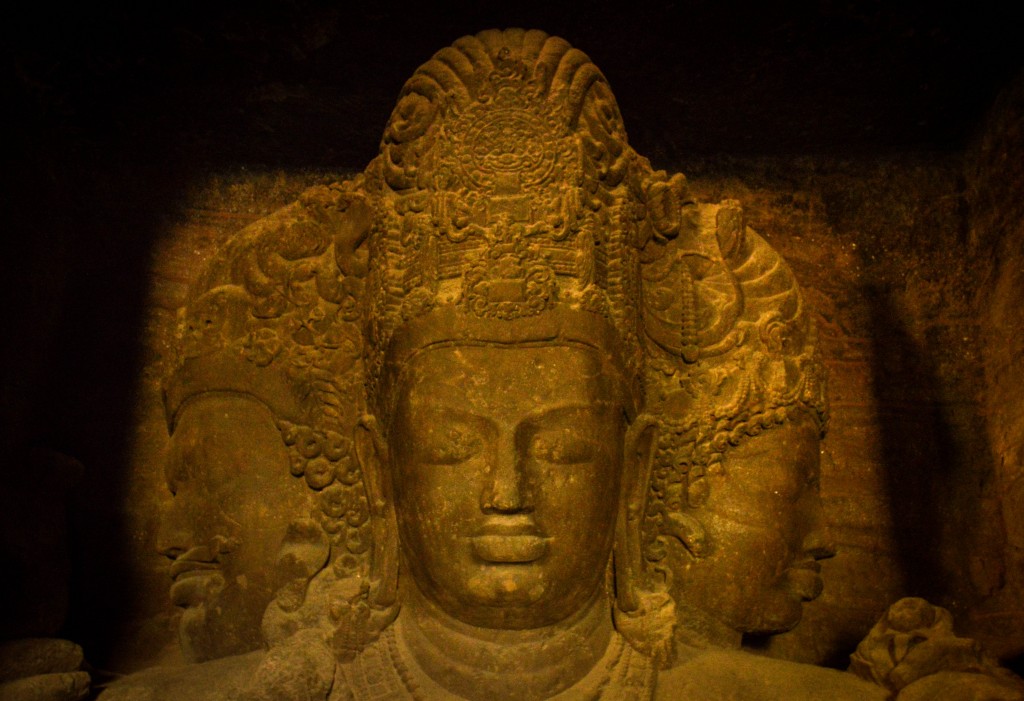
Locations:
{"points": [[505, 188]]}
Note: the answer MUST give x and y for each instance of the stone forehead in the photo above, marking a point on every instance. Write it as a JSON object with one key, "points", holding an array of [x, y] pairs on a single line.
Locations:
{"points": [[561, 330], [536, 376]]}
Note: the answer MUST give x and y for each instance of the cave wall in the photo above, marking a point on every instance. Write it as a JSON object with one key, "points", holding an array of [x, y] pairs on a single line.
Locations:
{"points": [[995, 193]]}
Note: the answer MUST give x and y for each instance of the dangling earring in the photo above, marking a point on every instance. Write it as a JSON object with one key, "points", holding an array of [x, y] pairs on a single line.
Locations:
{"points": [[360, 619], [371, 451], [646, 618], [632, 505]]}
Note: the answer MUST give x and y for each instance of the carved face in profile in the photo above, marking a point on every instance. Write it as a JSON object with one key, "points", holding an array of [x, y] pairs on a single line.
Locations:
{"points": [[765, 533], [506, 464], [233, 501]]}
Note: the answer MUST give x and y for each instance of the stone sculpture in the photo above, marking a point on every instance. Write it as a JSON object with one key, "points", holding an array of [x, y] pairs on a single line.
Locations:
{"points": [[914, 652], [559, 422]]}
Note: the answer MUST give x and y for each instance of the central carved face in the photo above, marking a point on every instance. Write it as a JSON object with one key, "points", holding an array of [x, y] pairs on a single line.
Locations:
{"points": [[506, 464]]}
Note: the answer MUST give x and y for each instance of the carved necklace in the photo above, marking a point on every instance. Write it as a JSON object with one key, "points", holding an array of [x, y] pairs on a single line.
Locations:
{"points": [[385, 672]]}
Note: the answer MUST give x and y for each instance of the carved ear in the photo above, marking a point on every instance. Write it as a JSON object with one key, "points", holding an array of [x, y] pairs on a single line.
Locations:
{"points": [[636, 479], [688, 530], [371, 451]]}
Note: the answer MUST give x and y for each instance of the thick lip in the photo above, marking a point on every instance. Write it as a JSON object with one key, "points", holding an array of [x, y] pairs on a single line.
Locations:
{"points": [[194, 575], [195, 560], [509, 539], [190, 591], [804, 580], [809, 564], [181, 568]]}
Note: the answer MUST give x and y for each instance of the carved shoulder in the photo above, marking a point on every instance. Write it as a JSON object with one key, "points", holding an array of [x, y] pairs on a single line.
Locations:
{"points": [[723, 675]]}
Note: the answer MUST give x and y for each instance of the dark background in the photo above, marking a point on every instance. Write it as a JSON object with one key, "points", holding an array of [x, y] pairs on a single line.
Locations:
{"points": [[112, 111]]}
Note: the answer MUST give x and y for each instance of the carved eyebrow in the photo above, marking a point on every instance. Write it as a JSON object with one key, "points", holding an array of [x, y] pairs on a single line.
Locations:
{"points": [[556, 411], [440, 407], [532, 418]]}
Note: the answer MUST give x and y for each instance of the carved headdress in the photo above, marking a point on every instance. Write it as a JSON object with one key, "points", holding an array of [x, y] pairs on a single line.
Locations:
{"points": [[505, 191]]}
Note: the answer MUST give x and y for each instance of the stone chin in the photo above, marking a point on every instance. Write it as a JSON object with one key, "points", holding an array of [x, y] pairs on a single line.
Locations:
{"points": [[193, 633], [195, 589], [509, 549], [800, 583], [783, 608], [804, 581], [198, 597]]}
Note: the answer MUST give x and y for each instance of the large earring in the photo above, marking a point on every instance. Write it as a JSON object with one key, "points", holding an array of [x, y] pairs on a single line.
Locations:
{"points": [[371, 451], [645, 617], [636, 479]]}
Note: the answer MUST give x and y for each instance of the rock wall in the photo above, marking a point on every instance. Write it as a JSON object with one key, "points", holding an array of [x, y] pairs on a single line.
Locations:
{"points": [[995, 193]]}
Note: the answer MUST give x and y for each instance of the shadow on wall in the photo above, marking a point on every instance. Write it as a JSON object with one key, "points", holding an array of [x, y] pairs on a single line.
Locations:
{"points": [[76, 273], [935, 459]]}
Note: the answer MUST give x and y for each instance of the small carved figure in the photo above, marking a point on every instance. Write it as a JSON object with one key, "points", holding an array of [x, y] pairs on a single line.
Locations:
{"points": [[914, 652]]}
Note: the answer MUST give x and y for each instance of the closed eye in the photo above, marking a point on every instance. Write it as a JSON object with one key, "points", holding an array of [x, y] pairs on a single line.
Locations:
{"points": [[562, 447], [450, 446]]}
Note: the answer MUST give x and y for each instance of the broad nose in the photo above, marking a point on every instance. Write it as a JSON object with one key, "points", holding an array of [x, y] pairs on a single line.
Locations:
{"points": [[505, 491], [818, 542], [819, 545]]}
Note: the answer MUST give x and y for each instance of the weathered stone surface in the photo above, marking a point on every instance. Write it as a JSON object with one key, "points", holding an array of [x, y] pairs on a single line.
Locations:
{"points": [[879, 251], [68, 686], [218, 209], [915, 641], [31, 656], [859, 505]]}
